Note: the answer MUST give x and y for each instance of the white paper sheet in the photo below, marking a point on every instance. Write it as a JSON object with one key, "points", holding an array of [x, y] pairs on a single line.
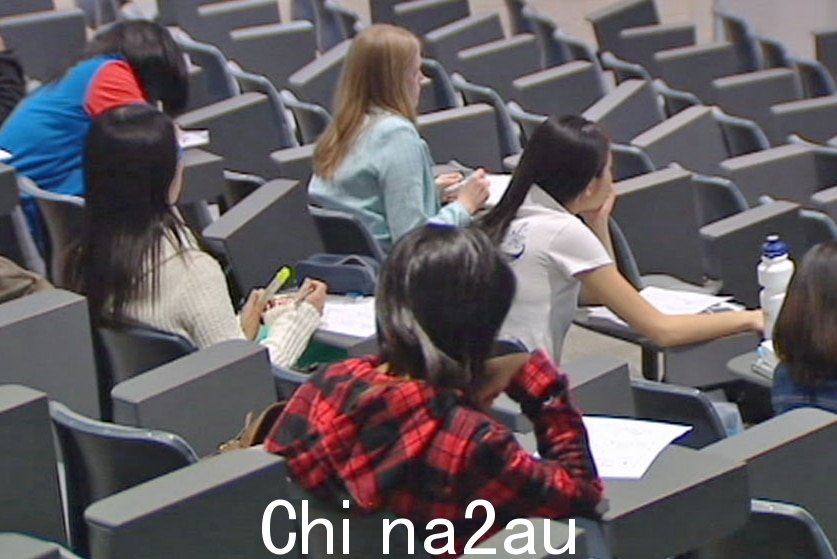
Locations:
{"points": [[498, 184], [667, 301], [192, 138], [625, 448], [350, 316], [4, 155]]}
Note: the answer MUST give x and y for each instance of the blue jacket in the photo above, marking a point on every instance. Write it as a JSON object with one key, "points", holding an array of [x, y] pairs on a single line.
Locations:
{"points": [[788, 395]]}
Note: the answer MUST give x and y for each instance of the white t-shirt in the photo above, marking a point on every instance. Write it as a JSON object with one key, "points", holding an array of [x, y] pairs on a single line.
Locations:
{"points": [[547, 247]]}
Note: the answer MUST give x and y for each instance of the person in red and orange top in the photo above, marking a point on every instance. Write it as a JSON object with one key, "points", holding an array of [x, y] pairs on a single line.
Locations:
{"points": [[131, 62], [408, 431]]}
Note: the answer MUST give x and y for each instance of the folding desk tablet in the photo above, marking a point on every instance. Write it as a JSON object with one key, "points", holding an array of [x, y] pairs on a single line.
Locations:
{"points": [[19, 546], [685, 499], [30, 500]]}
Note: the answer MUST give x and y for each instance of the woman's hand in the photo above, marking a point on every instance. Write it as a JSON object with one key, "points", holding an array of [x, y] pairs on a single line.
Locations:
{"points": [[315, 294], [446, 180], [251, 314], [474, 193], [597, 218]]}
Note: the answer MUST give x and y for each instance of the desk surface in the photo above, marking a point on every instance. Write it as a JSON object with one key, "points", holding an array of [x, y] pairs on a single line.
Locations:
{"points": [[742, 367], [685, 499]]}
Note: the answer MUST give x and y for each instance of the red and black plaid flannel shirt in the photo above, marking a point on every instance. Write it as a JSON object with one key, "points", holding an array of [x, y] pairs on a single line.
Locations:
{"points": [[423, 453]]}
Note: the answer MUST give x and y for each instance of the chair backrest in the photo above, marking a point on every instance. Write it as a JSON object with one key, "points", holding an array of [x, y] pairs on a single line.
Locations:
{"points": [[440, 93], [127, 351], [217, 82], [716, 198], [691, 138], [816, 79], [826, 201], [774, 53], [624, 256], [740, 34], [215, 21], [693, 68], [317, 81], [57, 320], [203, 397], [498, 63], [17, 7], [16, 242], [622, 69], [774, 529], [679, 404], [63, 216], [268, 229], [810, 118], [786, 172], [507, 131], [295, 163], [825, 45], [608, 21], [255, 48], [466, 134], [669, 191], [29, 488], [675, 100], [629, 161], [242, 130], [752, 94], [253, 83], [445, 42], [207, 509], [567, 89], [421, 16], [741, 136], [553, 51], [734, 243], [517, 19], [640, 44], [311, 119], [627, 111], [20, 546], [778, 453], [101, 459], [45, 42], [344, 233], [817, 226]]}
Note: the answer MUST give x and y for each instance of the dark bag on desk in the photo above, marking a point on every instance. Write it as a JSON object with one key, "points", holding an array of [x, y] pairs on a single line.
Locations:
{"points": [[344, 273]]}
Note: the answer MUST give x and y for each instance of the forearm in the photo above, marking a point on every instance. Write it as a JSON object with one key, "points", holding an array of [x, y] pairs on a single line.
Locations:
{"points": [[674, 330], [290, 331]]}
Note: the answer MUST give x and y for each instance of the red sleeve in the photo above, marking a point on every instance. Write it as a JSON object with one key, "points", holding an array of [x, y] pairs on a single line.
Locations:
{"points": [[115, 85]]}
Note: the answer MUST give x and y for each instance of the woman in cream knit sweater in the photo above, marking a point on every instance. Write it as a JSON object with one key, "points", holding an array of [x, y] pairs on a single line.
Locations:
{"points": [[139, 263]]}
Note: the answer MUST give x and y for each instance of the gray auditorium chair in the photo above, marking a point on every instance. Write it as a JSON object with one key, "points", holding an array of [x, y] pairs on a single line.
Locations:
{"points": [[751, 96], [295, 163], [439, 93], [203, 184], [567, 89], [254, 83], [58, 320], [610, 20], [445, 42], [270, 228], [775, 529], [202, 397], [553, 51], [693, 68], [508, 132], [816, 79], [311, 119], [527, 121], [826, 201], [739, 32], [209, 509], [242, 130], [215, 21], [733, 245], [692, 138], [102, 458], [669, 192], [790, 172], [778, 454], [45, 42], [518, 23], [465, 134], [640, 44], [256, 49], [345, 233], [629, 161], [20, 546], [29, 489], [214, 82], [345, 20], [382, 11], [675, 100], [716, 198], [627, 111], [741, 135], [421, 16], [63, 216], [624, 70], [16, 241], [774, 53], [17, 7], [176, 12], [825, 44], [498, 63], [671, 403], [812, 119], [317, 81]]}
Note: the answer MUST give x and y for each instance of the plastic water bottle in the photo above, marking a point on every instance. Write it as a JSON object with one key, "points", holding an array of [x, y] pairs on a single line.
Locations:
{"points": [[774, 273]]}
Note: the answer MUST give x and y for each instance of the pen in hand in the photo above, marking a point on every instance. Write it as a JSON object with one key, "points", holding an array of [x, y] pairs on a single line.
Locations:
{"points": [[306, 289], [454, 188]]}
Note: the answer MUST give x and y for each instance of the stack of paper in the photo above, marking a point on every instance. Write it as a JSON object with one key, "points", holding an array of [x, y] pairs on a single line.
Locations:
{"points": [[498, 184], [667, 301], [350, 316]]}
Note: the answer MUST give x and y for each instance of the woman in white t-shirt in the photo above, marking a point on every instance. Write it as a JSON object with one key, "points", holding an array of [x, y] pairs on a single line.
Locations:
{"points": [[564, 174]]}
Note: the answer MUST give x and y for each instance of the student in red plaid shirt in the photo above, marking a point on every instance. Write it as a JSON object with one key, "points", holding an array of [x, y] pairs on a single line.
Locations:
{"points": [[408, 431]]}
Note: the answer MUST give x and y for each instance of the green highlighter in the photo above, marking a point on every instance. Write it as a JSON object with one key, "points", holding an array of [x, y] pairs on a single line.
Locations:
{"points": [[283, 276]]}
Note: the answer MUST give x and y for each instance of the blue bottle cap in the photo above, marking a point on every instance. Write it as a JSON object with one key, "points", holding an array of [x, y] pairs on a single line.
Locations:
{"points": [[774, 247]]}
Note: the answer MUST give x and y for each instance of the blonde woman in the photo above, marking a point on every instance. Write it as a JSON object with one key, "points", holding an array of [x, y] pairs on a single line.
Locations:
{"points": [[371, 160]]}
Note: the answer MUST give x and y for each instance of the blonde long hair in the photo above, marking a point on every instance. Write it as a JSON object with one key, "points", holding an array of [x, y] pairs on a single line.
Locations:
{"points": [[375, 75]]}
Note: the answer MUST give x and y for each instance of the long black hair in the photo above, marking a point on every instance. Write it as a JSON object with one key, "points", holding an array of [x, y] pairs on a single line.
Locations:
{"points": [[442, 297], [130, 162], [562, 157], [150, 50]]}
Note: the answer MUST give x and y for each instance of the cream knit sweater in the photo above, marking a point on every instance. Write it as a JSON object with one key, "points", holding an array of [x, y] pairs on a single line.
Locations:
{"points": [[193, 301]]}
